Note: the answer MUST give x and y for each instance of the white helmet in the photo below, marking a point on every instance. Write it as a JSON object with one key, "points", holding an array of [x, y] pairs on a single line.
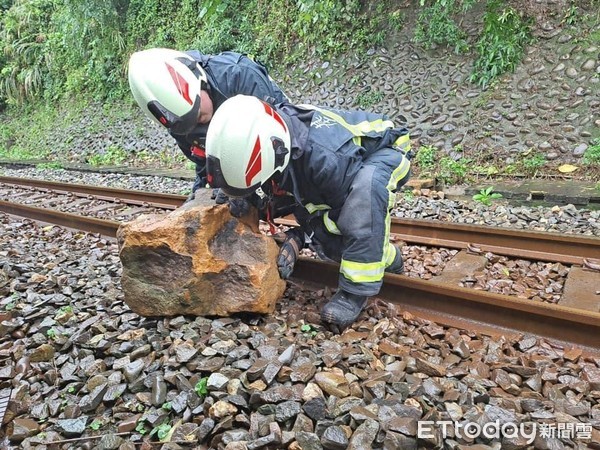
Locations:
{"points": [[166, 84], [246, 143]]}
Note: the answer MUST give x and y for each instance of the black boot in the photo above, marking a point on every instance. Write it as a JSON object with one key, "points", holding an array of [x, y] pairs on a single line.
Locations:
{"points": [[397, 266], [342, 310]]}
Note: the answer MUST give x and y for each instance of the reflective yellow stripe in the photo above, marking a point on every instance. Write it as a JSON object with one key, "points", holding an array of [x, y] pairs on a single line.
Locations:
{"points": [[402, 141], [362, 272], [357, 140], [389, 252], [312, 208], [399, 172], [330, 225], [359, 129]]}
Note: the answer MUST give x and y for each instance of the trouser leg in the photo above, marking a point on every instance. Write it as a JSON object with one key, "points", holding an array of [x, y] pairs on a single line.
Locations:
{"points": [[364, 222]]}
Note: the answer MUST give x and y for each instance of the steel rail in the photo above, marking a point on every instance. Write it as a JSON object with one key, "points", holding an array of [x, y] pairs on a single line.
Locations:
{"points": [[135, 197], [90, 224], [479, 311], [535, 245]]}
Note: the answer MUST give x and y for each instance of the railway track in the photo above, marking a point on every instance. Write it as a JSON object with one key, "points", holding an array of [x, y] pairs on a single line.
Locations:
{"points": [[574, 321]]}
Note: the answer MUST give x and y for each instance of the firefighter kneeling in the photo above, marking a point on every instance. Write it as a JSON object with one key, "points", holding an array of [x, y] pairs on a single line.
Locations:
{"points": [[337, 171]]}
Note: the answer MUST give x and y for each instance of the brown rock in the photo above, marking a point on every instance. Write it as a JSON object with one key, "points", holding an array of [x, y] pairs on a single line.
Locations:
{"points": [[333, 383], [23, 428], [128, 424], [44, 352], [592, 376], [429, 368], [198, 260]]}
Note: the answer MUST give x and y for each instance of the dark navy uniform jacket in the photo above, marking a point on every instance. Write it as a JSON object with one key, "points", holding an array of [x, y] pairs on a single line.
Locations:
{"points": [[329, 147]]}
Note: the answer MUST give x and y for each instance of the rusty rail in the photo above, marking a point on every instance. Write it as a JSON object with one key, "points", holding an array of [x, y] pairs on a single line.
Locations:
{"points": [[90, 224], [538, 245], [479, 311], [134, 197]]}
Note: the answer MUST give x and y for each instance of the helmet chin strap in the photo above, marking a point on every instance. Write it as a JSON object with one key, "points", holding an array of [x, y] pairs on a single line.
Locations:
{"points": [[259, 191]]}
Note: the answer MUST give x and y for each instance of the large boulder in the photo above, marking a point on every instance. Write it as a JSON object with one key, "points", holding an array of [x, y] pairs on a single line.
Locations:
{"points": [[198, 260]]}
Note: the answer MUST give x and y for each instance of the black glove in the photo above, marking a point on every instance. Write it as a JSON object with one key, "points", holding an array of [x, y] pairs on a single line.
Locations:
{"points": [[238, 207], [289, 252], [219, 196]]}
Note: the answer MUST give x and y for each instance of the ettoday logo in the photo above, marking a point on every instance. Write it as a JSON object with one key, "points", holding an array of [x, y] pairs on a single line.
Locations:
{"points": [[472, 430], [496, 431]]}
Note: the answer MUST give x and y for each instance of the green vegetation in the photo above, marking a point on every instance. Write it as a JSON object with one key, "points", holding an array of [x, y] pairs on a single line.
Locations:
{"points": [[429, 162], [200, 387], [112, 156], [161, 431], [530, 165], [591, 157], [10, 306], [426, 159], [308, 329], [53, 165], [366, 100], [56, 49], [485, 196], [437, 26], [141, 428], [501, 45], [96, 424], [409, 195], [454, 171]]}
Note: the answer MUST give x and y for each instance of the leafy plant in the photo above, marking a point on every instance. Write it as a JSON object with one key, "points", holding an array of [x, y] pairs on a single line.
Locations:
{"points": [[113, 155], [531, 164], [502, 43], [67, 309], [592, 154], [167, 406], [10, 305], [161, 431], [140, 428], [51, 333], [309, 329], [453, 171], [200, 387], [485, 196], [24, 45], [436, 25], [426, 158], [365, 100], [409, 195], [571, 16]]}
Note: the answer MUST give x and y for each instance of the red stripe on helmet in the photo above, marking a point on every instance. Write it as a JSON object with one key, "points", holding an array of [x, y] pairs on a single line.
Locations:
{"points": [[270, 111], [182, 85], [255, 163]]}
